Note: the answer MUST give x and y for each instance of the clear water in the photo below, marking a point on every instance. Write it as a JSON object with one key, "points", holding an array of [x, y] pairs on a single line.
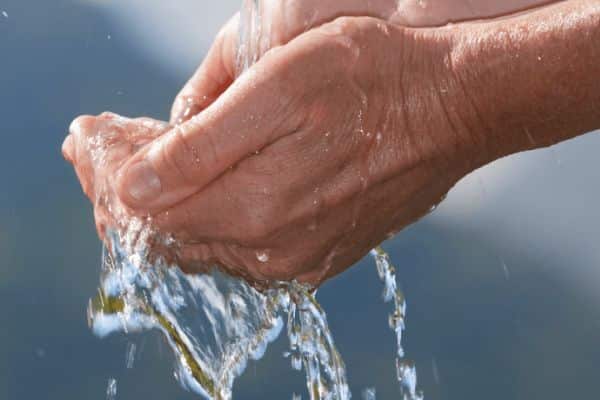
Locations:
{"points": [[111, 389], [215, 323]]}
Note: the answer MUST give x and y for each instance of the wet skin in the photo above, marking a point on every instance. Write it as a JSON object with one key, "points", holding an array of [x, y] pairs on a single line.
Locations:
{"points": [[342, 136]]}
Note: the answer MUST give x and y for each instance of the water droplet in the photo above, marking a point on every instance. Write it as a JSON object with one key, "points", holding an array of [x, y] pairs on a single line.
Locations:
{"points": [[196, 155], [435, 371], [40, 353], [111, 389], [556, 156], [391, 235], [528, 133], [108, 37], [4, 14], [263, 256], [506, 271], [130, 355], [407, 375], [296, 362], [369, 394], [482, 187]]}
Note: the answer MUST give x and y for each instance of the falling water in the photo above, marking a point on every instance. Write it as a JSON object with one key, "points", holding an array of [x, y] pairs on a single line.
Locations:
{"points": [[215, 323], [405, 369], [111, 389]]}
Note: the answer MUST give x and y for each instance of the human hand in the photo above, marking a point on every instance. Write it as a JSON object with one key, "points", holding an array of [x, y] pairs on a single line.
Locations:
{"points": [[282, 20], [441, 108], [315, 155], [98, 147]]}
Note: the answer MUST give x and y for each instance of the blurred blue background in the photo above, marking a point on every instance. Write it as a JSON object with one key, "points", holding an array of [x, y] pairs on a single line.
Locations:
{"points": [[502, 280]]}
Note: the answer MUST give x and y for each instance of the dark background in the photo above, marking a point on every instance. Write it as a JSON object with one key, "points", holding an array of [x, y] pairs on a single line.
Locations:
{"points": [[476, 329]]}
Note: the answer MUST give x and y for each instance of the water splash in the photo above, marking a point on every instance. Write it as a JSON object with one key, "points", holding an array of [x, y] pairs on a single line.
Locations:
{"points": [[215, 323]]}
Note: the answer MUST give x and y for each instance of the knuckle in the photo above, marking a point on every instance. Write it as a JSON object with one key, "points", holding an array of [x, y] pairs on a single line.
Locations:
{"points": [[345, 23]]}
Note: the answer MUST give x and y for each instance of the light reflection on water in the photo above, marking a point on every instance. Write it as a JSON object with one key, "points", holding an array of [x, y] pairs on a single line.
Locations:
{"points": [[216, 323]]}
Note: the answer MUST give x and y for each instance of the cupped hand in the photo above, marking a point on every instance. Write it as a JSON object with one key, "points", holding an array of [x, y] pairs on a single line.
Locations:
{"points": [[329, 143], [282, 20], [98, 147], [319, 152]]}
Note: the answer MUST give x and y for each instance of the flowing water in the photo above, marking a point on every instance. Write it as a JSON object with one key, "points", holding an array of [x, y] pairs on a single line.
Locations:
{"points": [[216, 323]]}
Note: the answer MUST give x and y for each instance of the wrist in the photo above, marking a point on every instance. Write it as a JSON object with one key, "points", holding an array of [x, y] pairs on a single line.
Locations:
{"points": [[439, 117], [533, 79]]}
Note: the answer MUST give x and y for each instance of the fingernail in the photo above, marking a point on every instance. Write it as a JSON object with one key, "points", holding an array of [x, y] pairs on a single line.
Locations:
{"points": [[143, 182]]}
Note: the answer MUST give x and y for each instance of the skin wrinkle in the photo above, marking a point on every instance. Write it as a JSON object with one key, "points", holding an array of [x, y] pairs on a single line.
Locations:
{"points": [[552, 40], [162, 217], [411, 199], [351, 199], [441, 149], [179, 154], [463, 144], [480, 120], [212, 145]]}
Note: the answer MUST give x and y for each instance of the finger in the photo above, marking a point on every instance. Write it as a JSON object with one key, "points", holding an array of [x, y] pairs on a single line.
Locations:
{"points": [[212, 78], [96, 146], [271, 100], [260, 107], [75, 150]]}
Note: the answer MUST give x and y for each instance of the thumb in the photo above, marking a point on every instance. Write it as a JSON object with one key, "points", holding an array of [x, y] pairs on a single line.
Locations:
{"points": [[250, 115], [212, 78]]}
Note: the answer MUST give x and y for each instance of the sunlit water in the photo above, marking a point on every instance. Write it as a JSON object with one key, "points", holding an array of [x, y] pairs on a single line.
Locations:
{"points": [[215, 323]]}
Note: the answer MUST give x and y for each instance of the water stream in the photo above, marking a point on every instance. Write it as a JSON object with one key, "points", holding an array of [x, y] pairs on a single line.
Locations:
{"points": [[215, 323]]}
